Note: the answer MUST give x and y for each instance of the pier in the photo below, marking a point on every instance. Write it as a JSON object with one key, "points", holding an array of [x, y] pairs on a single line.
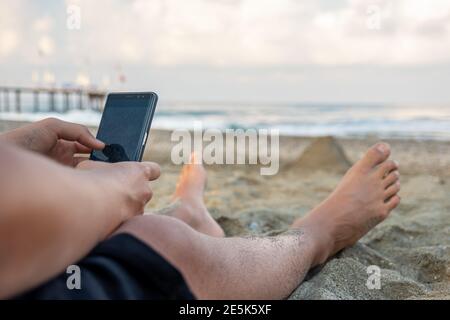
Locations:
{"points": [[56, 99]]}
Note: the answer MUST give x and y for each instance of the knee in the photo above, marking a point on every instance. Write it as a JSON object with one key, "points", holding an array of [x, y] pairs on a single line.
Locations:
{"points": [[188, 250]]}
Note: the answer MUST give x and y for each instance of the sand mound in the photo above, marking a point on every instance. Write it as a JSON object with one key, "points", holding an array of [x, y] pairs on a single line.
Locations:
{"points": [[323, 153], [346, 278]]}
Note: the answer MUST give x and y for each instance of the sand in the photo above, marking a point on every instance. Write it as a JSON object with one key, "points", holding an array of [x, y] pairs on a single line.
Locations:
{"points": [[411, 248]]}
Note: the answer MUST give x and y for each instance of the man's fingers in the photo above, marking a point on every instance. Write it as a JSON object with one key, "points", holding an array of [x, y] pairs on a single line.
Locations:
{"points": [[90, 164], [79, 148], [152, 170], [78, 160], [76, 132]]}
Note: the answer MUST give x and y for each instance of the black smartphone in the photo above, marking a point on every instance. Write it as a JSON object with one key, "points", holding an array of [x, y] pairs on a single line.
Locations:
{"points": [[125, 126]]}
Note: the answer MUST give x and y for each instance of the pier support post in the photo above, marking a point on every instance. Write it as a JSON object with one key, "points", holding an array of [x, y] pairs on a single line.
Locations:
{"points": [[80, 101], [52, 101], [6, 97], [18, 105], [35, 101], [66, 102]]}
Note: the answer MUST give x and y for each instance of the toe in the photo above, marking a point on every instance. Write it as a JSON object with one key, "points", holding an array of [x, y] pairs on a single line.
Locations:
{"points": [[391, 178], [375, 155], [386, 167], [195, 159], [392, 190], [393, 202]]}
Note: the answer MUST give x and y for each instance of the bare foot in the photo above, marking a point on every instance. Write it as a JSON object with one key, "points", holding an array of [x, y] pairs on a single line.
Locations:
{"points": [[188, 201], [365, 197]]}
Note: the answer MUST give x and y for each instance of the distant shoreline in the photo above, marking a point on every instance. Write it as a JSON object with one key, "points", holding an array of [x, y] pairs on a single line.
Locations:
{"points": [[430, 157], [354, 122], [8, 124]]}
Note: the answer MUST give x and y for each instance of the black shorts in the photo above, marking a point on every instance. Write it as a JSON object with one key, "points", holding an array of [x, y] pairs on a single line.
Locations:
{"points": [[121, 267]]}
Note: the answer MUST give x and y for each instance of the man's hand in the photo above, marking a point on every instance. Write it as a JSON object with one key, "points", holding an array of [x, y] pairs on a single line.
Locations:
{"points": [[66, 213], [56, 139], [124, 184]]}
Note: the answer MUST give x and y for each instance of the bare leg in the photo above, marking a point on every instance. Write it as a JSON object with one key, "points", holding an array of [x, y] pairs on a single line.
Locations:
{"points": [[271, 268], [188, 203], [221, 268]]}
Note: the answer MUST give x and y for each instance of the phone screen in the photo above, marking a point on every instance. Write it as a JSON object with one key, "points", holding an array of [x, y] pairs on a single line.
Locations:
{"points": [[123, 127]]}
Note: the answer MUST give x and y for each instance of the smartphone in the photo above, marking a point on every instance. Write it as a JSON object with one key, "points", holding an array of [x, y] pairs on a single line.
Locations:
{"points": [[125, 126]]}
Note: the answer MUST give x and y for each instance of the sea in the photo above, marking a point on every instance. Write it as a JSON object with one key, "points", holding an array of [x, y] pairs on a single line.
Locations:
{"points": [[295, 119]]}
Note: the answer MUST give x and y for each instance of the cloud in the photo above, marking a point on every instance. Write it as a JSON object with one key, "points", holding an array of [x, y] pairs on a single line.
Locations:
{"points": [[8, 42], [236, 32], [46, 45], [43, 24], [9, 30]]}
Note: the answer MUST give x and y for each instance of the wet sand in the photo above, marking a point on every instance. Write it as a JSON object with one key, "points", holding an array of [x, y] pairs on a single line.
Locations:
{"points": [[412, 247]]}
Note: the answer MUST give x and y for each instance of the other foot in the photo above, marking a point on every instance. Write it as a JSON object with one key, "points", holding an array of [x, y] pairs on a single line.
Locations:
{"points": [[364, 197]]}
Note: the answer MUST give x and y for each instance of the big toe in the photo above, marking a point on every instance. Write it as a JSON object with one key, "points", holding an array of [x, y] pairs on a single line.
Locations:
{"points": [[192, 180], [375, 155], [193, 171]]}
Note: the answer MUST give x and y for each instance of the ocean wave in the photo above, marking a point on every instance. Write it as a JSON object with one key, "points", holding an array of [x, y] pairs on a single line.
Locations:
{"points": [[315, 120]]}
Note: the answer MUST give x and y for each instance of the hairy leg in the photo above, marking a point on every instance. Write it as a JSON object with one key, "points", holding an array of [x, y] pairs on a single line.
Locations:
{"points": [[226, 268], [272, 267]]}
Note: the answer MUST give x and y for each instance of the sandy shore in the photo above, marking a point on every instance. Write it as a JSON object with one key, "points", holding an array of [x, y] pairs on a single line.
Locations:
{"points": [[412, 247]]}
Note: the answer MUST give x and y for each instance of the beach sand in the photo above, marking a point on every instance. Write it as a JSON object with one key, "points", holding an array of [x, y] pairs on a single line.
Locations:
{"points": [[412, 247]]}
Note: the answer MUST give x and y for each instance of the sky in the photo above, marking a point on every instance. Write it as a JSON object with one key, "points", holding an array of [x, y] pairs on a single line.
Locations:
{"points": [[323, 51]]}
